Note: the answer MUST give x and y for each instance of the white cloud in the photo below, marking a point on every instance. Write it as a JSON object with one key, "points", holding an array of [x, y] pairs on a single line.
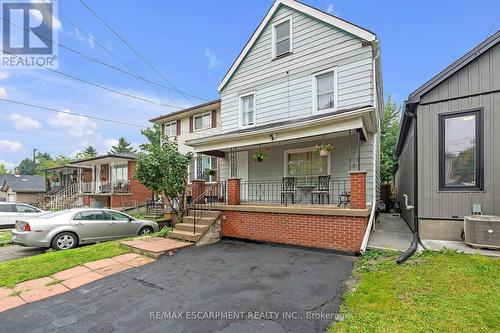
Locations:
{"points": [[8, 164], [213, 62], [75, 126], [23, 123], [4, 75], [332, 9], [108, 143], [3, 92], [91, 41], [10, 146]]}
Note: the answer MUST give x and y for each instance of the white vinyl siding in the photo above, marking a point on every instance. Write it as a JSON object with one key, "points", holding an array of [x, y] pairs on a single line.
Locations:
{"points": [[170, 129], [283, 86], [202, 121]]}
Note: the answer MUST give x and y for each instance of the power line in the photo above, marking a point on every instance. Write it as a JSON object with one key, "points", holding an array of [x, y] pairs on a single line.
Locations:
{"points": [[101, 86], [493, 26], [134, 50], [86, 56], [46, 108]]}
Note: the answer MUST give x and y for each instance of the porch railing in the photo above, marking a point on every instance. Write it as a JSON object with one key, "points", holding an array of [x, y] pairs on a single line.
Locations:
{"points": [[199, 206], [302, 192], [106, 187]]}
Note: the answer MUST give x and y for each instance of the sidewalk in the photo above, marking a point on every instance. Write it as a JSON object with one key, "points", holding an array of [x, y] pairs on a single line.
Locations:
{"points": [[391, 233]]}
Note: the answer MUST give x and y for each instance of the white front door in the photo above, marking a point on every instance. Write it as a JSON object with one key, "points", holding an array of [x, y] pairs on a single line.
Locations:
{"points": [[242, 172]]}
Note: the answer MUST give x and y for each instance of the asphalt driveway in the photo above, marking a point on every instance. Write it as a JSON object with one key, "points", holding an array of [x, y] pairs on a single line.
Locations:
{"points": [[227, 287]]}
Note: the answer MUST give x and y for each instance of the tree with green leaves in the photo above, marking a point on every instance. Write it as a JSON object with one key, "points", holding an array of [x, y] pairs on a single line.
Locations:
{"points": [[45, 161], [123, 146], [26, 167], [3, 169], [388, 137], [89, 152], [163, 169]]}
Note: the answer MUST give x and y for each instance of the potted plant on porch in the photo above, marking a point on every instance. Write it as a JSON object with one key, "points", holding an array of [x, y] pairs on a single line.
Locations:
{"points": [[323, 149], [260, 155]]}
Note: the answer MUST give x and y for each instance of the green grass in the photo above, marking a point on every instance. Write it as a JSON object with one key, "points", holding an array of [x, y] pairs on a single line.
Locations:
{"points": [[19, 270], [5, 238], [432, 292]]}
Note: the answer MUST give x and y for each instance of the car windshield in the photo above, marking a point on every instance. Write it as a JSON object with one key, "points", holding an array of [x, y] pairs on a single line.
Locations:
{"points": [[51, 214]]}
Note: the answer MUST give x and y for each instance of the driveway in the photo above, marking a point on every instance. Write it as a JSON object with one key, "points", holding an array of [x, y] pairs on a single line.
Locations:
{"points": [[227, 287]]}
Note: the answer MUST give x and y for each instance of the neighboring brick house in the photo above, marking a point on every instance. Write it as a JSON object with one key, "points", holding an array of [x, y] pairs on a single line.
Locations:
{"points": [[190, 123]]}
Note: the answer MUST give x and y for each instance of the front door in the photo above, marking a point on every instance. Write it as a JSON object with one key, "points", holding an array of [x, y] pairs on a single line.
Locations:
{"points": [[242, 173]]}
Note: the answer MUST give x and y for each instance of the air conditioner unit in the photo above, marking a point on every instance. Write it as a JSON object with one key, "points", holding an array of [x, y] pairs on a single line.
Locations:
{"points": [[482, 231]]}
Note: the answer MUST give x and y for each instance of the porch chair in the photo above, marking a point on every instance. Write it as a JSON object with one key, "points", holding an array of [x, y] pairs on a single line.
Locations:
{"points": [[323, 190], [288, 189]]}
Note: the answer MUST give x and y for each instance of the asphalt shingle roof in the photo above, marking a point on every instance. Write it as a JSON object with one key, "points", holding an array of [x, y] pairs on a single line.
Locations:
{"points": [[23, 183]]}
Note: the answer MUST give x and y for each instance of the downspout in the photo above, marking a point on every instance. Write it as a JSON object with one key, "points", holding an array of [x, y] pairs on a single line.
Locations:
{"points": [[371, 221], [416, 237]]}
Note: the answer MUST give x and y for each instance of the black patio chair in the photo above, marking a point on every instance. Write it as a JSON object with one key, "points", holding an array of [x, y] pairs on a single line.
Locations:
{"points": [[287, 189], [322, 191]]}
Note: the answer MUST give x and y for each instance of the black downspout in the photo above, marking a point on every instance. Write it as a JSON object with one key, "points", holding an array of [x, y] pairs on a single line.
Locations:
{"points": [[416, 238]]}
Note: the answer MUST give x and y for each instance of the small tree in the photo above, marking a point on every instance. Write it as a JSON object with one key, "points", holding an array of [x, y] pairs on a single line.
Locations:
{"points": [[389, 135], [123, 146], [163, 169], [3, 169]]}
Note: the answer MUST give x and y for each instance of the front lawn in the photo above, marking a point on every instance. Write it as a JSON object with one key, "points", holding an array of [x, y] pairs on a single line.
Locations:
{"points": [[432, 292], [19, 270], [5, 237]]}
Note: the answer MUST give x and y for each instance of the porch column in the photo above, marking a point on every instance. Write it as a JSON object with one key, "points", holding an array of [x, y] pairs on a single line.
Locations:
{"points": [[358, 189], [197, 190], [233, 165], [199, 166], [233, 191]]}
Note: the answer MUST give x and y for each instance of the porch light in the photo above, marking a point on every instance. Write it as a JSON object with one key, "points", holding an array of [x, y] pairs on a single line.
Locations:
{"points": [[272, 136]]}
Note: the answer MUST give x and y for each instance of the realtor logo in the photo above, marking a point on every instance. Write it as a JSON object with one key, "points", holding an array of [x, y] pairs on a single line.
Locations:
{"points": [[29, 34]]}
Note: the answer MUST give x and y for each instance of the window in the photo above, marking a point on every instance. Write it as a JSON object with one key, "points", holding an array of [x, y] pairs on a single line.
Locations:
{"points": [[7, 208], [115, 216], [208, 168], [247, 110], [26, 209], [90, 216], [325, 91], [305, 163], [119, 174], [170, 129], [202, 121], [460, 151], [282, 37]]}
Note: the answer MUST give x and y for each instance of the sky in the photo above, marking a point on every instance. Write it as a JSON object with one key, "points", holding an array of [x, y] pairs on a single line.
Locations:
{"points": [[192, 44]]}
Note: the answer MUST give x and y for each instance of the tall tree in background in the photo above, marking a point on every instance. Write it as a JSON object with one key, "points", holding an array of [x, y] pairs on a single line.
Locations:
{"points": [[163, 169], [389, 135], [3, 169], [89, 152], [45, 161], [123, 146], [26, 167]]}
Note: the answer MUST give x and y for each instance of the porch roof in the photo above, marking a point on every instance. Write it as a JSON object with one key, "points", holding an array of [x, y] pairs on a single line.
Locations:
{"points": [[352, 119]]}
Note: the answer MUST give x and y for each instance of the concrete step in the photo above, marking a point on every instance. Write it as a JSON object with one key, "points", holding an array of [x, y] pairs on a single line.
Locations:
{"points": [[206, 213], [185, 235], [190, 226], [200, 221]]}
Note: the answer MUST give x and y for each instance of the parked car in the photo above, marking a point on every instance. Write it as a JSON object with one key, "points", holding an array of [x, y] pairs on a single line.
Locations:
{"points": [[69, 228], [12, 211]]}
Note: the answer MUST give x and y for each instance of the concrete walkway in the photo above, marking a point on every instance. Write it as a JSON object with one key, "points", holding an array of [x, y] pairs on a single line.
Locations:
{"points": [[391, 233], [155, 247], [438, 245]]}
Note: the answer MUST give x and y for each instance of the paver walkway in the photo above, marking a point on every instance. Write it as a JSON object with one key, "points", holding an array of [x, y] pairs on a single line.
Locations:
{"points": [[34, 290], [155, 247]]}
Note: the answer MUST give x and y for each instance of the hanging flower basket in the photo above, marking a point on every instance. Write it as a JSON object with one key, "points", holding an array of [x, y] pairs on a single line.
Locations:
{"points": [[323, 149], [210, 172], [260, 156]]}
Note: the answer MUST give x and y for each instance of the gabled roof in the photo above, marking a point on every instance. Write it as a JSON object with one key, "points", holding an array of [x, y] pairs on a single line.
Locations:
{"points": [[414, 98], [23, 183], [308, 10]]}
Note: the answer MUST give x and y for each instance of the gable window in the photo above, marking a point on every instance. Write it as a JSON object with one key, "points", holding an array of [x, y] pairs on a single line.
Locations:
{"points": [[325, 91], [170, 129], [202, 121], [461, 151], [282, 37], [247, 110]]}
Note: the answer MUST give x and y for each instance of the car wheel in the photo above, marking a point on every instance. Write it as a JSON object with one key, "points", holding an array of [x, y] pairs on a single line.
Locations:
{"points": [[145, 231], [65, 241]]}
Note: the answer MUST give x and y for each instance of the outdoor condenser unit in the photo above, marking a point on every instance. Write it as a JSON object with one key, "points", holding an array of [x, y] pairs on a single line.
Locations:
{"points": [[482, 231]]}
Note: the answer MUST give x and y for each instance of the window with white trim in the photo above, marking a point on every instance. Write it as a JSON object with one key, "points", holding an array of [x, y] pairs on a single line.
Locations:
{"points": [[247, 110], [305, 163], [119, 174], [325, 91], [202, 121], [170, 129], [208, 168], [282, 38]]}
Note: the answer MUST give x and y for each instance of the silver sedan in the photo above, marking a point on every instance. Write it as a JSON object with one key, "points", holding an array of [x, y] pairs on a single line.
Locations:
{"points": [[67, 229]]}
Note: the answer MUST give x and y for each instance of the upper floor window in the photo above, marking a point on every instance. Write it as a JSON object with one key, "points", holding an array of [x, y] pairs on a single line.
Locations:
{"points": [[247, 110], [461, 151], [325, 91], [170, 129], [282, 37], [119, 174], [202, 121]]}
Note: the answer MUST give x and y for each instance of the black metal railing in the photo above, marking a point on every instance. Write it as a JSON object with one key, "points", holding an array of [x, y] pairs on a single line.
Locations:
{"points": [[155, 207], [298, 191], [199, 206]]}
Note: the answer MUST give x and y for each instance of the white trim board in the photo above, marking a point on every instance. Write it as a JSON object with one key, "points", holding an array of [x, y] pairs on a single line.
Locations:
{"points": [[313, 12]]}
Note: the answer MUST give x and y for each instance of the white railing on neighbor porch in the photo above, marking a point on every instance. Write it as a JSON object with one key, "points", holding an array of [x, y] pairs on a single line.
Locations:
{"points": [[65, 198], [106, 187]]}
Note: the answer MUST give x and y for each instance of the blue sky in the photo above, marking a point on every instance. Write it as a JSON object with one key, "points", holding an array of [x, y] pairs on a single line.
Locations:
{"points": [[193, 43]]}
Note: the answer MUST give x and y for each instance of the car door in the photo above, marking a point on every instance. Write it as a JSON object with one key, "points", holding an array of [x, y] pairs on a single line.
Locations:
{"points": [[92, 226], [121, 224], [8, 214]]}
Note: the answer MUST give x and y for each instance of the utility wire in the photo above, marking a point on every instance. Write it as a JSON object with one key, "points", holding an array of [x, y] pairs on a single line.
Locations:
{"points": [[46, 108], [134, 75], [134, 50]]}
